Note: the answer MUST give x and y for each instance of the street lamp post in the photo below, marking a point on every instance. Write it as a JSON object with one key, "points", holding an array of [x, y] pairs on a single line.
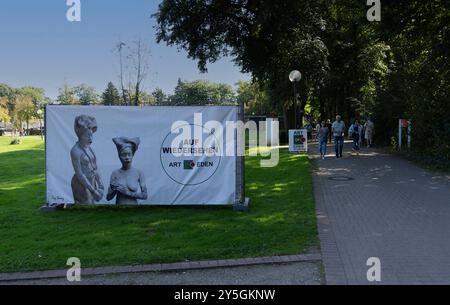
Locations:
{"points": [[40, 113], [295, 77]]}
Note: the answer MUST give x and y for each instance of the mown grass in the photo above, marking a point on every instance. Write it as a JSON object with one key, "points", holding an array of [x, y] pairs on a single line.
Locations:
{"points": [[281, 221]]}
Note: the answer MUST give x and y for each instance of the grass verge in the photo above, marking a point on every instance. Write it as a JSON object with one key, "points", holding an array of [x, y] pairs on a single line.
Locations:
{"points": [[281, 222]]}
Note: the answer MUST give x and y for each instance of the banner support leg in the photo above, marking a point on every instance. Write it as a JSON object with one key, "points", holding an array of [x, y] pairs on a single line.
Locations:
{"points": [[242, 203]]}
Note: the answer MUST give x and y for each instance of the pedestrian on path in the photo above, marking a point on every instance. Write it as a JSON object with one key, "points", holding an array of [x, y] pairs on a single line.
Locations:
{"points": [[329, 130], [322, 137], [338, 129], [355, 134], [369, 128], [309, 129], [318, 126], [363, 133]]}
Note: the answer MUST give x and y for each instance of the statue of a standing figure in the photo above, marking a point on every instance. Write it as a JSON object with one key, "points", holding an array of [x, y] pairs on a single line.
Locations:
{"points": [[127, 183], [87, 187]]}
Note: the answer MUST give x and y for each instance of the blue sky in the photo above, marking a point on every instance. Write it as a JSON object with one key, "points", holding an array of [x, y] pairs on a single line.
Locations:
{"points": [[39, 47]]}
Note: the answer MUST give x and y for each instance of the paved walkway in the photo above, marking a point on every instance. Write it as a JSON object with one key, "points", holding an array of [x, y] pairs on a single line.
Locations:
{"points": [[304, 269], [392, 210], [300, 273]]}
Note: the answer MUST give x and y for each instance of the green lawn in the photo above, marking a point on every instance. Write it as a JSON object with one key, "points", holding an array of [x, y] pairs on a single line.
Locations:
{"points": [[281, 221]]}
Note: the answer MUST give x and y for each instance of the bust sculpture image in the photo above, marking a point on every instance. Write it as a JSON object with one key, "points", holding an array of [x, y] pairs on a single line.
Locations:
{"points": [[86, 183], [127, 183]]}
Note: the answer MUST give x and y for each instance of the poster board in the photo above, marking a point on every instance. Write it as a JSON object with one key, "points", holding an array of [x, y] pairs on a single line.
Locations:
{"points": [[298, 141], [172, 155]]}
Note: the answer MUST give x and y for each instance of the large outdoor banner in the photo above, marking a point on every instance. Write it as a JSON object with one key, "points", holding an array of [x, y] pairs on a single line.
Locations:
{"points": [[140, 155]]}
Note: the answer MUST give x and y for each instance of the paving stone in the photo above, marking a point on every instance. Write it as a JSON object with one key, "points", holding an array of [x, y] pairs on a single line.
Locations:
{"points": [[392, 210]]}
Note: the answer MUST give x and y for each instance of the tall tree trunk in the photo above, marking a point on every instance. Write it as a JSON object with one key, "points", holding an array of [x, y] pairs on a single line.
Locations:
{"points": [[136, 97], [322, 110], [124, 96]]}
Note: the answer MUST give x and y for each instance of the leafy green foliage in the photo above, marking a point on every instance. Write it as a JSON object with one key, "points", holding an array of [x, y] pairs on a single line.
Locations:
{"points": [[18, 105], [159, 96], [8, 94], [418, 87], [66, 95], [396, 68], [254, 98], [24, 109], [266, 38], [86, 95], [110, 96], [4, 114], [202, 92]]}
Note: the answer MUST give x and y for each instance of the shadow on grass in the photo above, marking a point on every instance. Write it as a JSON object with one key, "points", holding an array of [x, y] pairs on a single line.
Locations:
{"points": [[20, 167], [282, 221], [22, 180]]}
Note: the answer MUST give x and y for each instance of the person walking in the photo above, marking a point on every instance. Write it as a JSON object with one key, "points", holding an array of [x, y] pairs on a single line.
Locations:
{"points": [[363, 133], [317, 129], [369, 128], [322, 137], [309, 129], [355, 134], [329, 130], [338, 129]]}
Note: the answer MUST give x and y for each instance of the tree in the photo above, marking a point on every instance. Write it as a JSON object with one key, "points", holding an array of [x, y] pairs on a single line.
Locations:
{"points": [[86, 95], [5, 90], [223, 94], [67, 95], [354, 47], [21, 105], [254, 98], [258, 39], [160, 96], [25, 109], [82, 94], [202, 92], [134, 66], [110, 96], [4, 113], [119, 49], [37, 94], [146, 99], [9, 94], [374, 67], [139, 54], [418, 84], [38, 98]]}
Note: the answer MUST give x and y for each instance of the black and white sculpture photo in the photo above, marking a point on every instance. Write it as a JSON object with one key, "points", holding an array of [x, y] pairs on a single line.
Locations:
{"points": [[127, 183], [87, 187]]}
